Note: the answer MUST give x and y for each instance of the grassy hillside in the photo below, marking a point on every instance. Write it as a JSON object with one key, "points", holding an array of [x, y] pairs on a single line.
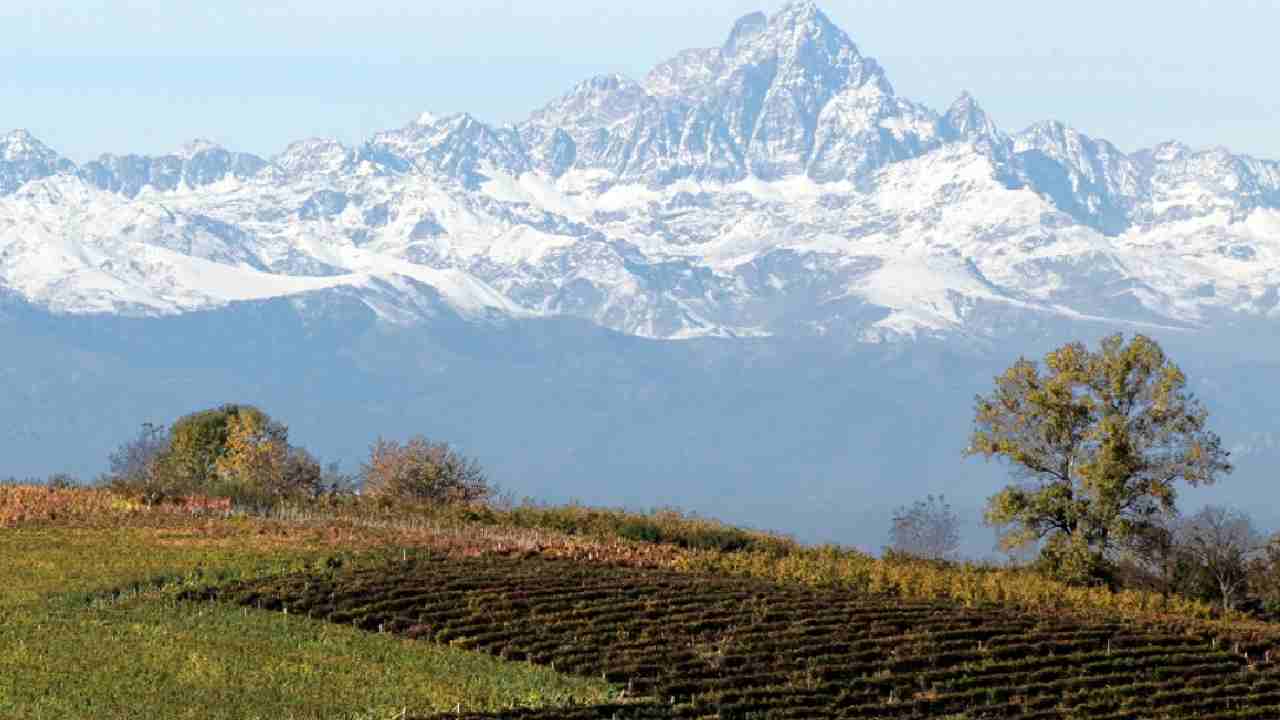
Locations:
{"points": [[89, 629], [112, 610]]}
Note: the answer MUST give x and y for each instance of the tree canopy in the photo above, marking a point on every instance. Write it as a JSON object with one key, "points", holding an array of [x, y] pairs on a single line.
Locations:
{"points": [[197, 442], [235, 451], [1099, 440]]}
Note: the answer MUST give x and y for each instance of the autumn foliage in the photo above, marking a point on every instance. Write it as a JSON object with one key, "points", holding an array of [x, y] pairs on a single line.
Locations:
{"points": [[232, 451], [424, 471]]}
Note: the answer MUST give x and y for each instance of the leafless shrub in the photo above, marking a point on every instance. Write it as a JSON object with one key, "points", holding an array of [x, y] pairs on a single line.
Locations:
{"points": [[927, 529]]}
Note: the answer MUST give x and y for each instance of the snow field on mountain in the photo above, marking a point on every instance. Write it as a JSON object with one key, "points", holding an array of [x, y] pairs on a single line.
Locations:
{"points": [[751, 188]]}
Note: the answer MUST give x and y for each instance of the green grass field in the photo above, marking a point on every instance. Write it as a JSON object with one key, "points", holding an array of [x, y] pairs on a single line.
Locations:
{"points": [[65, 653]]}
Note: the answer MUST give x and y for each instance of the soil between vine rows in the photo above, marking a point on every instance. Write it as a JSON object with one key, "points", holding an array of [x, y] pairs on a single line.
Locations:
{"points": [[691, 646]]}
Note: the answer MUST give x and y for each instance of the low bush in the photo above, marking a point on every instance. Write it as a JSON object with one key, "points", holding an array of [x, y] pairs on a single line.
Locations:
{"points": [[423, 471]]}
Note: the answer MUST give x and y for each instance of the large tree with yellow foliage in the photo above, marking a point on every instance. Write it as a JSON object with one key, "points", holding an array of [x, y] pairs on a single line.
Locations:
{"points": [[252, 459], [198, 442], [1099, 441]]}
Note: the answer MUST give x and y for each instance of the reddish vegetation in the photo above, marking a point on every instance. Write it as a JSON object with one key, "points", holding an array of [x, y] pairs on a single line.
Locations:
{"points": [[198, 519], [29, 505]]}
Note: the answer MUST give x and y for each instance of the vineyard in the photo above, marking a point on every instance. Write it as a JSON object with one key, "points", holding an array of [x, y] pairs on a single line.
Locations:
{"points": [[358, 610], [687, 645]]}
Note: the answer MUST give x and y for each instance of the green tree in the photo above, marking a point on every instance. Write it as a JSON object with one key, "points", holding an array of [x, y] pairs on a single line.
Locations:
{"points": [[1099, 441]]}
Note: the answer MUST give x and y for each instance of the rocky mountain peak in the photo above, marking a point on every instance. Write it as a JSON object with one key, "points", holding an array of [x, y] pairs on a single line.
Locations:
{"points": [[457, 145], [1170, 151], [965, 115], [746, 28], [1066, 144], [1089, 178], [459, 121], [24, 158], [598, 89], [965, 104], [21, 146], [966, 120], [1043, 132], [801, 31], [784, 94], [205, 162], [196, 147], [595, 102], [812, 54], [315, 156], [198, 163], [601, 84], [801, 13]]}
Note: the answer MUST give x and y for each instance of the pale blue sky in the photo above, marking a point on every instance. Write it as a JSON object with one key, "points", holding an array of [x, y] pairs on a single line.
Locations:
{"points": [[147, 75]]}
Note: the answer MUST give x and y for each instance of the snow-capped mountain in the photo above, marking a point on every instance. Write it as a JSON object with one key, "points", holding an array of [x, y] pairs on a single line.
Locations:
{"points": [[774, 184]]}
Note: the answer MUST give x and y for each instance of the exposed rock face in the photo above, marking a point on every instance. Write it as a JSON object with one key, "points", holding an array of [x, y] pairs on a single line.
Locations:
{"points": [[24, 158], [200, 163], [772, 184], [782, 96]]}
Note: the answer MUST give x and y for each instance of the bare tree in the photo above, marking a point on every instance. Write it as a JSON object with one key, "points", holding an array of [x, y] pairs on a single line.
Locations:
{"points": [[1221, 541], [927, 528], [132, 458], [133, 467]]}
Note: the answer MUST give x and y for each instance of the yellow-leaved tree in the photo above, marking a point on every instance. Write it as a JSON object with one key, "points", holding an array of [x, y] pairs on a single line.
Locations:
{"points": [[257, 463], [233, 450], [253, 457]]}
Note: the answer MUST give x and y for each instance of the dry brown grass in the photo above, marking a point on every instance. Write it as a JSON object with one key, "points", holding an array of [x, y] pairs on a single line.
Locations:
{"points": [[202, 522], [27, 505]]}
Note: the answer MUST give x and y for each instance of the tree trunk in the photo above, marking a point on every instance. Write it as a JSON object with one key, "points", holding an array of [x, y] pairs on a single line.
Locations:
{"points": [[1227, 588]]}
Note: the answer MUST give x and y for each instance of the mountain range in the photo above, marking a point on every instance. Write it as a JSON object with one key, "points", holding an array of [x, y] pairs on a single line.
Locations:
{"points": [[770, 203]]}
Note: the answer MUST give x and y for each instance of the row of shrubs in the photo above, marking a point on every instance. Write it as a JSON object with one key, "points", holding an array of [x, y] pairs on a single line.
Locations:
{"points": [[240, 452]]}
